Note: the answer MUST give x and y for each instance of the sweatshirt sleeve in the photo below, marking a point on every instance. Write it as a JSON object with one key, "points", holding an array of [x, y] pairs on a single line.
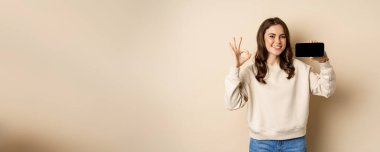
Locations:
{"points": [[235, 90], [324, 83]]}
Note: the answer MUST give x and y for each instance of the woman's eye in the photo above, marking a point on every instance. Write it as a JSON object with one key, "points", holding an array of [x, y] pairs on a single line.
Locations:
{"points": [[271, 36]]}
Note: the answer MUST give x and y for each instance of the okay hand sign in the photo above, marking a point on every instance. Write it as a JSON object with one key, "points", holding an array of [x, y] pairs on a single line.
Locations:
{"points": [[240, 56]]}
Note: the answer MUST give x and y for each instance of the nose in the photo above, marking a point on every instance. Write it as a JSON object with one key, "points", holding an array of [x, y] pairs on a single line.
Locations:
{"points": [[277, 40]]}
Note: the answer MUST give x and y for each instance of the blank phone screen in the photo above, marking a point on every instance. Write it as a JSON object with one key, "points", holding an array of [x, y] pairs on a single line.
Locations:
{"points": [[309, 49]]}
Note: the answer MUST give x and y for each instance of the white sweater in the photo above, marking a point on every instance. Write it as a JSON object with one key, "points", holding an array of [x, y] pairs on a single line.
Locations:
{"points": [[279, 109]]}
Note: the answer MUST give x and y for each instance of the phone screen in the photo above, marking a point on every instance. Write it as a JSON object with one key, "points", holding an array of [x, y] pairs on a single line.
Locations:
{"points": [[310, 49]]}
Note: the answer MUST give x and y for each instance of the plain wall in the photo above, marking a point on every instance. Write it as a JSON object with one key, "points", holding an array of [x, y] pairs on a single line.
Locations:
{"points": [[140, 76]]}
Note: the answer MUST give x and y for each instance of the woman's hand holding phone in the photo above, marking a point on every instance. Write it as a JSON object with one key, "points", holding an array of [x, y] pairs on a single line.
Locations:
{"points": [[322, 59]]}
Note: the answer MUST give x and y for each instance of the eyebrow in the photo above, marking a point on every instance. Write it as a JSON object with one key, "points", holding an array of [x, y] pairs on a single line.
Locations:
{"points": [[275, 34]]}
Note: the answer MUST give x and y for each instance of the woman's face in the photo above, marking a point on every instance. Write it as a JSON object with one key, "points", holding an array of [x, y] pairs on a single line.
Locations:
{"points": [[275, 40]]}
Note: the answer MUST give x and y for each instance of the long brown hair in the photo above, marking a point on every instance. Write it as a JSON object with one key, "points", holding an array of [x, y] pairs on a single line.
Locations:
{"points": [[286, 57]]}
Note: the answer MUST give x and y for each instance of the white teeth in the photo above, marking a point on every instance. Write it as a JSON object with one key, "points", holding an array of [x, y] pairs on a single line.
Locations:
{"points": [[277, 47]]}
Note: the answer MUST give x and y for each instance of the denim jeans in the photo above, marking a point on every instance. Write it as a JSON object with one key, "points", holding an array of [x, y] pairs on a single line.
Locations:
{"points": [[288, 145]]}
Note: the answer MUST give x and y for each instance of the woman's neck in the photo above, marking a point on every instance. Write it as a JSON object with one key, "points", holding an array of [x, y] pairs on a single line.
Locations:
{"points": [[272, 60]]}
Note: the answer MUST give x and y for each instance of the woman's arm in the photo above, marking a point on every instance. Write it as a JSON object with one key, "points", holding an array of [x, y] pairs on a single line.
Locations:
{"points": [[324, 83], [235, 91], [236, 94]]}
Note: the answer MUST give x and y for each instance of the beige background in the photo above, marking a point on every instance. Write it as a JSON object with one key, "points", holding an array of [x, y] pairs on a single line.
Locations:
{"points": [[141, 76]]}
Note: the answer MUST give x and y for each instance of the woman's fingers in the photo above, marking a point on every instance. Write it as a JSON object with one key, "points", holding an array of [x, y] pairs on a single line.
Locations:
{"points": [[241, 39], [249, 54], [235, 43], [245, 51], [232, 47], [315, 41], [240, 55], [245, 55]]}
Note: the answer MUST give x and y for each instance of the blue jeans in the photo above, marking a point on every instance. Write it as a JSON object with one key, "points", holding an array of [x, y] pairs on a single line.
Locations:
{"points": [[288, 145]]}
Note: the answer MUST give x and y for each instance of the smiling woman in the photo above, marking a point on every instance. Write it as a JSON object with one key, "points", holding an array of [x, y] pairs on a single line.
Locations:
{"points": [[276, 88], [272, 39]]}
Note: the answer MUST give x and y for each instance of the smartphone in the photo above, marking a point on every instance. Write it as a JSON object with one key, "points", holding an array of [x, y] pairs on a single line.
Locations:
{"points": [[310, 49]]}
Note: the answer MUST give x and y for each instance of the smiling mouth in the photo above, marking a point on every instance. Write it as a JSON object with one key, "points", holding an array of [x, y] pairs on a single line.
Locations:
{"points": [[277, 47]]}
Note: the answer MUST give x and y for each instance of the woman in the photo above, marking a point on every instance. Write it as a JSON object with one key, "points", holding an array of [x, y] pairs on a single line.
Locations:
{"points": [[276, 88]]}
